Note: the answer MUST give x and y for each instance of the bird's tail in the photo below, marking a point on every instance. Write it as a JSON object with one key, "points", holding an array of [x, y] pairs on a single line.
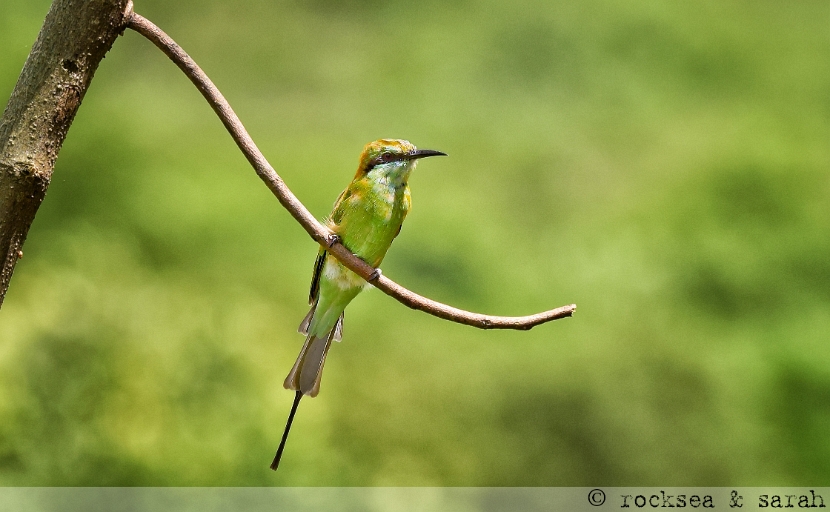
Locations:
{"points": [[305, 375], [307, 371], [276, 462]]}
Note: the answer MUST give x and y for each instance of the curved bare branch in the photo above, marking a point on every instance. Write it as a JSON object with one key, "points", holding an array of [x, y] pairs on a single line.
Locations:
{"points": [[314, 228]]}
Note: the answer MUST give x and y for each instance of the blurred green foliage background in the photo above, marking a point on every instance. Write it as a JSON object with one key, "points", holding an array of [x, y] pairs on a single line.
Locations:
{"points": [[664, 165]]}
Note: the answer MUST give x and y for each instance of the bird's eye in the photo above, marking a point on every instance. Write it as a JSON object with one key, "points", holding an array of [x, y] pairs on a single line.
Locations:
{"points": [[387, 157]]}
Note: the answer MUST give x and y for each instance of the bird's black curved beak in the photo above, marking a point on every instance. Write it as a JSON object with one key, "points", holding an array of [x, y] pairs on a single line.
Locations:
{"points": [[423, 153]]}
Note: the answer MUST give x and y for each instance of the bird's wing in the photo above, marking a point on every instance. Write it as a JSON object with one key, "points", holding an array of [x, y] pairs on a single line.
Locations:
{"points": [[339, 208], [315, 277], [332, 222], [314, 294]]}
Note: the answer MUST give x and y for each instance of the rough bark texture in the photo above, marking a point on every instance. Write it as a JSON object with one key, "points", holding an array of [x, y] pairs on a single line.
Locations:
{"points": [[74, 38]]}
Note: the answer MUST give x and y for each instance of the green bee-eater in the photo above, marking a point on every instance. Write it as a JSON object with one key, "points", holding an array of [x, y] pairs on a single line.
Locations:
{"points": [[366, 217]]}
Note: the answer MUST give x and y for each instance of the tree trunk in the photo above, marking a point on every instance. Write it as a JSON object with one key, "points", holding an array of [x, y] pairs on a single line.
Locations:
{"points": [[74, 38]]}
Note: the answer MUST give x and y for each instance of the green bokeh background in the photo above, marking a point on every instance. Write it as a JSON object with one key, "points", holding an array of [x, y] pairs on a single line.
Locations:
{"points": [[664, 165]]}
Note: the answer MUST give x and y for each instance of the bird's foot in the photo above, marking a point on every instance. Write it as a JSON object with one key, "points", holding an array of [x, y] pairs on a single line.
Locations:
{"points": [[375, 275], [331, 240]]}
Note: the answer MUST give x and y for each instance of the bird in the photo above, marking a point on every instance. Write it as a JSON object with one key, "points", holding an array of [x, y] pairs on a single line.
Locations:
{"points": [[366, 218]]}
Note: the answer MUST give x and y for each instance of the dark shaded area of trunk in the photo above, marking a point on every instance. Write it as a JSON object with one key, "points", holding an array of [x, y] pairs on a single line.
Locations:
{"points": [[75, 36]]}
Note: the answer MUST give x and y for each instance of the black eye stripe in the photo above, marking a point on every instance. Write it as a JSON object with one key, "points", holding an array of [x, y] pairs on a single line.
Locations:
{"points": [[387, 157]]}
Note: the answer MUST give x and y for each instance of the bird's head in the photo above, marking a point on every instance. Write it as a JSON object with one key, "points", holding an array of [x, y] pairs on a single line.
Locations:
{"points": [[391, 158]]}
